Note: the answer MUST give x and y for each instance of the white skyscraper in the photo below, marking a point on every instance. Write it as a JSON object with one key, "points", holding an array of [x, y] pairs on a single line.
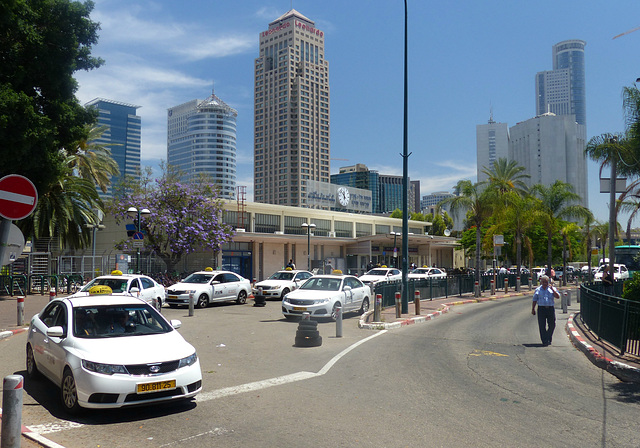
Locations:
{"points": [[291, 111], [551, 147], [492, 143], [201, 139]]}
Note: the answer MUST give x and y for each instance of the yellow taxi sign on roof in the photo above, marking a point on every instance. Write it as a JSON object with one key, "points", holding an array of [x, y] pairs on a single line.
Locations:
{"points": [[208, 269], [336, 272], [100, 290], [116, 272]]}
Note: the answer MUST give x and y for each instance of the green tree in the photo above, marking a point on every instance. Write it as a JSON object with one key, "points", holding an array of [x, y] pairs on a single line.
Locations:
{"points": [[557, 202], [42, 43], [507, 176], [478, 203], [519, 217], [92, 160]]}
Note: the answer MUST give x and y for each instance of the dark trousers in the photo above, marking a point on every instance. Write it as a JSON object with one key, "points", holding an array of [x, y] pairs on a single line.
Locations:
{"points": [[546, 323]]}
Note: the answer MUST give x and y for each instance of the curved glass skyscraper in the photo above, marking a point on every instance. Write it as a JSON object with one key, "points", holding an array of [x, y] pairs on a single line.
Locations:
{"points": [[201, 139]]}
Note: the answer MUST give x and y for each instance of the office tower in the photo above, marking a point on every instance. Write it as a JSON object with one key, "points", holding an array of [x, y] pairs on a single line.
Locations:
{"points": [[492, 143], [430, 201], [122, 136], [201, 139], [291, 111], [359, 176], [562, 90], [551, 147]]}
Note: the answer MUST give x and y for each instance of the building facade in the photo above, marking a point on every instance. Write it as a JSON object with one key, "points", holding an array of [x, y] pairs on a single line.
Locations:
{"points": [[201, 139], [122, 136], [551, 147], [291, 111], [562, 90], [492, 143]]}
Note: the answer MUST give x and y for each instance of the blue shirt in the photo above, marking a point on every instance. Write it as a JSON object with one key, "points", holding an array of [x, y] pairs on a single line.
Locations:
{"points": [[544, 297]]}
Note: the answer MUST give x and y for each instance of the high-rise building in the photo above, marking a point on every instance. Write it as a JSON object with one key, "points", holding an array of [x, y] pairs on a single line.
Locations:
{"points": [[492, 143], [562, 90], [291, 111], [122, 136], [551, 147], [201, 139]]}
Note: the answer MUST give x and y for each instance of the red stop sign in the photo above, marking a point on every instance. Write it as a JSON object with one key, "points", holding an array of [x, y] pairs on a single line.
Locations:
{"points": [[18, 197]]}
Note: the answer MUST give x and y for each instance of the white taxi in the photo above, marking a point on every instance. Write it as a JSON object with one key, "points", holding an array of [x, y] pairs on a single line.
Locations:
{"points": [[209, 286], [321, 295], [376, 275], [280, 284], [108, 351], [134, 285], [425, 272]]}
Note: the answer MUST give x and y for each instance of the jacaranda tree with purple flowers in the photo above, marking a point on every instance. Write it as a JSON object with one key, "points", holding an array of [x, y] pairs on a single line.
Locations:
{"points": [[185, 217]]}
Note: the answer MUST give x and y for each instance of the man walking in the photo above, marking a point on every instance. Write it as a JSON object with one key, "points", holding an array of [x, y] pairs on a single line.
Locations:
{"points": [[544, 298]]}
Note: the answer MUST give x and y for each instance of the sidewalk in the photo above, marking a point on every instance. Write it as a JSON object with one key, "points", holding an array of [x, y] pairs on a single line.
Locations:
{"points": [[599, 352]]}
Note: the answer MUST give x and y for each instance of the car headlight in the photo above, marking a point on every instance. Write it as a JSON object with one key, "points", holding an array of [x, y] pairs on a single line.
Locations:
{"points": [[320, 301], [188, 361], [105, 369]]}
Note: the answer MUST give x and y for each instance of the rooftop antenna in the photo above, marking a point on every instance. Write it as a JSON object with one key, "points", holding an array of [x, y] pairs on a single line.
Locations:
{"points": [[491, 113]]}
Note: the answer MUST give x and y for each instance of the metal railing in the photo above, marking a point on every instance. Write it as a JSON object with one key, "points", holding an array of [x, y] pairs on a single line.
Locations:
{"points": [[429, 288], [610, 317]]}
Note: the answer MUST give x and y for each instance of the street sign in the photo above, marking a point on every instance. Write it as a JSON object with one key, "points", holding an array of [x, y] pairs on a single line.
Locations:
{"points": [[138, 236], [14, 246], [18, 197]]}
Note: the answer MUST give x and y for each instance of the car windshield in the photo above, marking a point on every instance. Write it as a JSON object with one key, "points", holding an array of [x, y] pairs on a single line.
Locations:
{"points": [[322, 283], [377, 272], [117, 285], [198, 278], [420, 271], [282, 276], [105, 321]]}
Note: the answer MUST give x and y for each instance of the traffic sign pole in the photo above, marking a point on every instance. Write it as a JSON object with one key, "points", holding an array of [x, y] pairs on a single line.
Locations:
{"points": [[5, 229]]}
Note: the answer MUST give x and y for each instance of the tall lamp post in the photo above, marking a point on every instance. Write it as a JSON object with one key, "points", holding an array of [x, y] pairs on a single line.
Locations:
{"points": [[395, 249], [137, 214], [309, 227], [94, 228]]}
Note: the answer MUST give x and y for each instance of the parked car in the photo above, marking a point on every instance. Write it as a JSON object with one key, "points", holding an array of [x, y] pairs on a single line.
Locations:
{"points": [[376, 275], [134, 285], [109, 351], [620, 272], [539, 272], [321, 295], [514, 270], [209, 286], [423, 273], [280, 283]]}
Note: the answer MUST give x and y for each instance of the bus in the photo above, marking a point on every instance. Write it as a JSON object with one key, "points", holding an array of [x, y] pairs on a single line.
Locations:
{"points": [[630, 257]]}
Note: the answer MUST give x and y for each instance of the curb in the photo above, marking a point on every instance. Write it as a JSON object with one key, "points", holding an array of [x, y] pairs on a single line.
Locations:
{"points": [[620, 370], [7, 333]]}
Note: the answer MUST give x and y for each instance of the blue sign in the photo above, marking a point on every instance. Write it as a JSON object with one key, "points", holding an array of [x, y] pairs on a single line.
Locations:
{"points": [[138, 236]]}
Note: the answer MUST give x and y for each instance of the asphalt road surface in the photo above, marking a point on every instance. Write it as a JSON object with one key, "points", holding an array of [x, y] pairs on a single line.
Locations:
{"points": [[476, 376]]}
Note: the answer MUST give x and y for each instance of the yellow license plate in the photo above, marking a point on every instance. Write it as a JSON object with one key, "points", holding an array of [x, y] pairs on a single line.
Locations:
{"points": [[144, 388], [299, 308], [173, 297]]}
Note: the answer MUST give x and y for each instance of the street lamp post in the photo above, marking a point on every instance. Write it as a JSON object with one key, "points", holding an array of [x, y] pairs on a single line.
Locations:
{"points": [[309, 227], [94, 228], [137, 214]]}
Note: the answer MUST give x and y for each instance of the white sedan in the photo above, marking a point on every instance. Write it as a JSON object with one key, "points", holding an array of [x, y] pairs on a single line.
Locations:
{"points": [[321, 295], [280, 284], [111, 351], [134, 285], [424, 273], [209, 286], [620, 273], [381, 274]]}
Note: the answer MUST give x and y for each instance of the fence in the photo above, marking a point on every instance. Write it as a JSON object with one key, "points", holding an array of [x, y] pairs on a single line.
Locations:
{"points": [[611, 317]]}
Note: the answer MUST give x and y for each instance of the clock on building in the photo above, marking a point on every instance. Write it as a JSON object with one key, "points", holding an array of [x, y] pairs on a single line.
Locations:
{"points": [[343, 196]]}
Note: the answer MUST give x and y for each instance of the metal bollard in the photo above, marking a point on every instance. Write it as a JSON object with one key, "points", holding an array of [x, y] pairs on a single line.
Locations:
{"points": [[191, 304], [416, 302], [398, 313], [306, 316], [20, 310], [564, 303], [568, 293], [506, 285], [11, 411], [518, 283], [377, 308], [493, 288], [339, 322], [476, 289], [52, 294]]}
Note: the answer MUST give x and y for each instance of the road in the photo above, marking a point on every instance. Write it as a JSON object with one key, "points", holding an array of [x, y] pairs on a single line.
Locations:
{"points": [[476, 376]]}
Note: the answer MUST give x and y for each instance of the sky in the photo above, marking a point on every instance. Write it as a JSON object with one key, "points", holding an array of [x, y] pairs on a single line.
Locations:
{"points": [[466, 59]]}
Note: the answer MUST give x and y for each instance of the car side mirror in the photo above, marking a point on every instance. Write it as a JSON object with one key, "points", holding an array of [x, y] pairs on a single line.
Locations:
{"points": [[215, 282], [55, 332], [175, 323], [134, 290], [347, 288]]}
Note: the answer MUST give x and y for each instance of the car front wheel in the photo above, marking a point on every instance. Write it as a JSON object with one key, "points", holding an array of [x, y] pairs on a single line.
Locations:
{"points": [[69, 393], [365, 306], [334, 311], [203, 301], [32, 369], [242, 297]]}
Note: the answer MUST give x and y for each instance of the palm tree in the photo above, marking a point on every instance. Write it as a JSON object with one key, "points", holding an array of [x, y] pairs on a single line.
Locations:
{"points": [[519, 217], [557, 202], [566, 231], [479, 205], [505, 176], [92, 160]]}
